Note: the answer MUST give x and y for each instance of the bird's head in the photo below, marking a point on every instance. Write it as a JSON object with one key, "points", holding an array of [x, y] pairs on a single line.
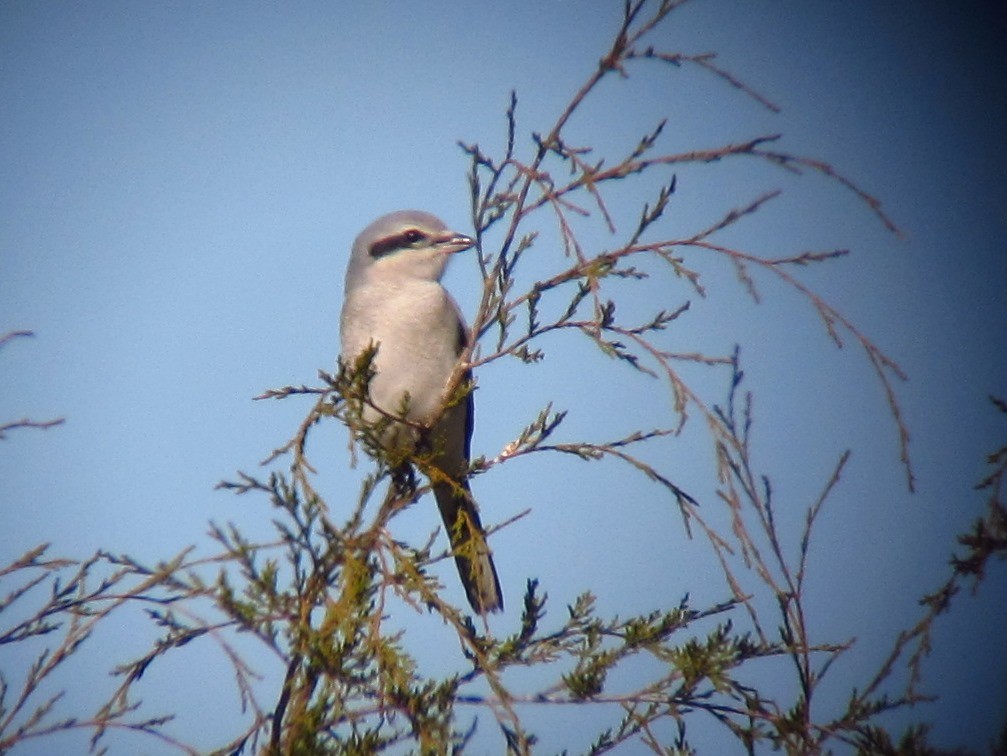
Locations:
{"points": [[405, 245]]}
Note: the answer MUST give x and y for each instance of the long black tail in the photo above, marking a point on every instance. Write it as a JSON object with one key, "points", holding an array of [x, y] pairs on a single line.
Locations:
{"points": [[470, 547]]}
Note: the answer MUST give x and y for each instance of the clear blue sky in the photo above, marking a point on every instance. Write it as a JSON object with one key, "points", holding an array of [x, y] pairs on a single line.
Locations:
{"points": [[181, 183]]}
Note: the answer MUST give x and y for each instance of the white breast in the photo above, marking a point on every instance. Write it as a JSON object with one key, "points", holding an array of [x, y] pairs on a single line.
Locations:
{"points": [[416, 327]]}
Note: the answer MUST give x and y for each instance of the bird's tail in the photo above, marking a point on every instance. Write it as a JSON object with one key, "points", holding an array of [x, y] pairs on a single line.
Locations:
{"points": [[470, 547]]}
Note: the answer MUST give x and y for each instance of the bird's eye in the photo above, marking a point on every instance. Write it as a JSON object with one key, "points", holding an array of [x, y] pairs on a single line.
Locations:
{"points": [[412, 236]]}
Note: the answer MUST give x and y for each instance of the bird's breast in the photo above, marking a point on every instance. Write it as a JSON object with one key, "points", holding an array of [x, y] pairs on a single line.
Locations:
{"points": [[416, 331]]}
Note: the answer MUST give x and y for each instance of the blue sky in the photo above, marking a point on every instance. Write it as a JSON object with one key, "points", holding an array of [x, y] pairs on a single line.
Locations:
{"points": [[182, 183]]}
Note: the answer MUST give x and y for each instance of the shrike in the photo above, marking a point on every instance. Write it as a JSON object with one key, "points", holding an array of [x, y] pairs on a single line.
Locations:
{"points": [[394, 302]]}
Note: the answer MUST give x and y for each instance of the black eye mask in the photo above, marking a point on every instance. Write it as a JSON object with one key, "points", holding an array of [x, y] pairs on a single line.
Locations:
{"points": [[389, 244]]}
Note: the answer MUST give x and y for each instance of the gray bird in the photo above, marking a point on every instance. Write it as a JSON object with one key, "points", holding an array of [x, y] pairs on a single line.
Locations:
{"points": [[394, 301]]}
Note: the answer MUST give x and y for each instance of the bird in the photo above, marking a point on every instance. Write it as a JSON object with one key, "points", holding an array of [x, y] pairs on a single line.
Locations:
{"points": [[394, 304]]}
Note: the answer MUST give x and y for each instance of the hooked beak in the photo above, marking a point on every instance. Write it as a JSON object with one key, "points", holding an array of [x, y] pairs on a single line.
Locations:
{"points": [[451, 242]]}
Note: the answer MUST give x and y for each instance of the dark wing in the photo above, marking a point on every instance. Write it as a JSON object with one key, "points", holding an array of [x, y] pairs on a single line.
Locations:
{"points": [[470, 405]]}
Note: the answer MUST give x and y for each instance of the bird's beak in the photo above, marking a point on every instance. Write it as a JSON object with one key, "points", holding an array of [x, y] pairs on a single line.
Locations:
{"points": [[451, 242]]}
